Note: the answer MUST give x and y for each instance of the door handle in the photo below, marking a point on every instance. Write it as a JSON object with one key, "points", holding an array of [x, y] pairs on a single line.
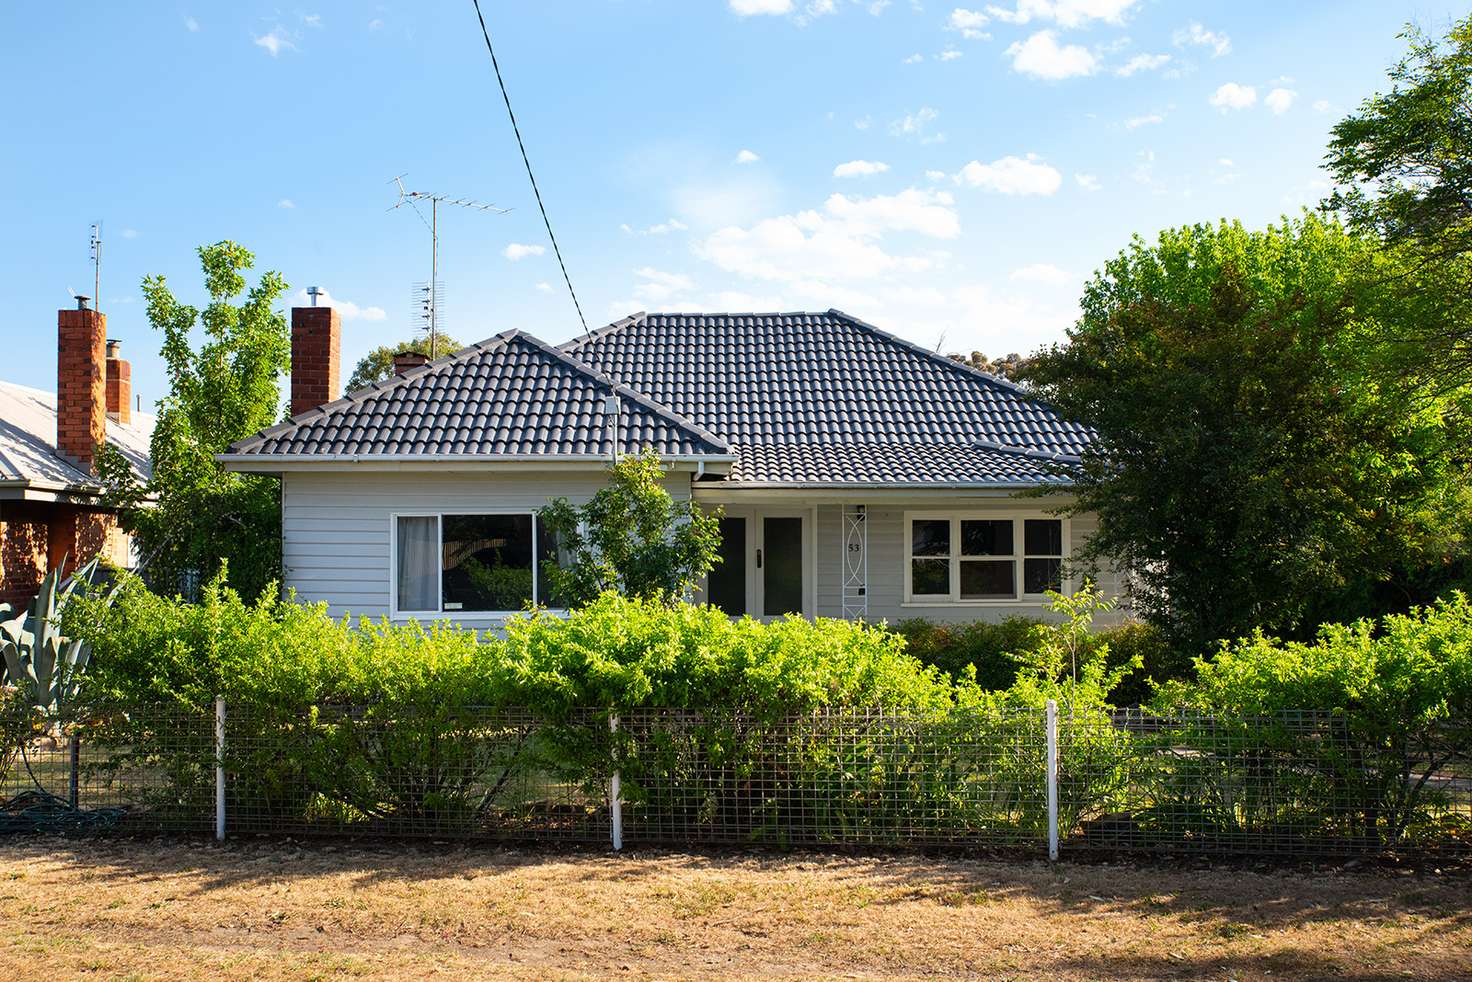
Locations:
{"points": [[758, 559]]}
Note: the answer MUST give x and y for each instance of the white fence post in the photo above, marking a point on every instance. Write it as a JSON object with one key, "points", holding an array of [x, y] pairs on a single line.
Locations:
{"points": [[220, 768], [1052, 726], [615, 798]]}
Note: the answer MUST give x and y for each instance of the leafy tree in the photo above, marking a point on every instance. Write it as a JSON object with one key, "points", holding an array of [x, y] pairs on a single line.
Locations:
{"points": [[378, 364], [193, 517], [1256, 461], [1009, 367], [1404, 163], [631, 538]]}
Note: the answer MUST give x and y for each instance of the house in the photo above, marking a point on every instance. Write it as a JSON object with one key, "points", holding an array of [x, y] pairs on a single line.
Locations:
{"points": [[50, 499], [859, 475]]}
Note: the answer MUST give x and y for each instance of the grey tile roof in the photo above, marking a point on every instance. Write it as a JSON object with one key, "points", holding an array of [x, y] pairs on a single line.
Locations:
{"points": [[824, 398], [510, 395]]}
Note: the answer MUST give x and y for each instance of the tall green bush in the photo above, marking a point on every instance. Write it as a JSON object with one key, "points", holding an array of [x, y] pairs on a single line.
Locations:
{"points": [[1398, 692]]}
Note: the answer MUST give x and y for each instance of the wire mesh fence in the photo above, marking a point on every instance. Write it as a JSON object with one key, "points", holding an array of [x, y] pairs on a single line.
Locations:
{"points": [[1289, 785]]}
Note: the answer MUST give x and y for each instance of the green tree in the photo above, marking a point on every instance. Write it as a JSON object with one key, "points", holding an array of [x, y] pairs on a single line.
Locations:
{"points": [[192, 517], [631, 538], [1403, 160], [1256, 461], [378, 364]]}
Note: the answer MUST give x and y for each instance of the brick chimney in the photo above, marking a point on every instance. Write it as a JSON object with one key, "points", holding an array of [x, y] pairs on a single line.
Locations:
{"points": [[81, 398], [316, 336], [119, 385], [405, 360]]}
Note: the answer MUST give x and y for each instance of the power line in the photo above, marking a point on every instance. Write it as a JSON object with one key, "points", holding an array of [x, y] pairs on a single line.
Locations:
{"points": [[530, 176]]}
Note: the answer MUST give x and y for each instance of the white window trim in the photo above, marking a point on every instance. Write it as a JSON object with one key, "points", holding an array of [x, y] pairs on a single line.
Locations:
{"points": [[1018, 556], [440, 613]]}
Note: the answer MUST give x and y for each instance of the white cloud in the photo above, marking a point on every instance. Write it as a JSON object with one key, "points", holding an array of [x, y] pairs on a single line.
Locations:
{"points": [[1198, 36], [1066, 13], [1142, 63], [1138, 121], [747, 157], [1012, 175], [968, 23], [1144, 172], [275, 42], [517, 251], [346, 309], [1280, 100], [376, 24], [1234, 96], [286, 203], [191, 25], [860, 168], [660, 287], [1040, 273], [1321, 106], [312, 20], [753, 8], [1087, 181], [842, 242], [863, 123], [130, 233], [661, 228], [912, 210], [1041, 56], [935, 175], [917, 125], [914, 59], [544, 287], [950, 54]]}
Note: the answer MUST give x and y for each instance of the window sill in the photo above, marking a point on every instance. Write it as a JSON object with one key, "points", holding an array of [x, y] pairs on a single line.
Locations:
{"points": [[1021, 602]]}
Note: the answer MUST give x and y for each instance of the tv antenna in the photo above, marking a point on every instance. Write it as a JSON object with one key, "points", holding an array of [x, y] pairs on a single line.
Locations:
{"points": [[432, 290], [97, 265]]}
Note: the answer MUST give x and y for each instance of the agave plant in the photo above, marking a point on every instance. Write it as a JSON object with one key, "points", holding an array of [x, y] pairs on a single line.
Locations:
{"points": [[44, 665]]}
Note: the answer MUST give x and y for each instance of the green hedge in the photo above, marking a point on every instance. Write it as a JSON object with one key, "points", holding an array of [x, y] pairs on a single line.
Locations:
{"points": [[990, 648]]}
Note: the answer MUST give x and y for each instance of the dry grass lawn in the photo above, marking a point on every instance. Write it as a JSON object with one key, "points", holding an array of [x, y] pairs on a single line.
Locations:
{"points": [[273, 910]]}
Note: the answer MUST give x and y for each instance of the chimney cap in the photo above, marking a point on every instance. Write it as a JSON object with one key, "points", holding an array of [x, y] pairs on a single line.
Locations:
{"points": [[82, 299], [314, 292], [113, 346]]}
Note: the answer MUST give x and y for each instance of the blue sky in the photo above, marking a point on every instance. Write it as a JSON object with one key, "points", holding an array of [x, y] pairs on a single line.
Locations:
{"points": [[953, 174]]}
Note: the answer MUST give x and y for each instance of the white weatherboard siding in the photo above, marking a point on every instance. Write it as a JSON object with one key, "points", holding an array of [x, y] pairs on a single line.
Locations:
{"points": [[336, 526], [887, 563]]}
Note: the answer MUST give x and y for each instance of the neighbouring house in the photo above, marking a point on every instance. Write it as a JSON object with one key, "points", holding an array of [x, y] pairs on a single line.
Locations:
{"points": [[50, 498], [860, 475]]}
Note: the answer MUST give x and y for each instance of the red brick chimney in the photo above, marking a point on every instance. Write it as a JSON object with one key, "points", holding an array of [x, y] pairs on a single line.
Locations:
{"points": [[405, 360], [316, 336], [119, 385], [81, 399]]}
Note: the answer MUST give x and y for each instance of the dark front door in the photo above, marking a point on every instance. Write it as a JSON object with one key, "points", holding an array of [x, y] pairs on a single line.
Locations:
{"points": [[726, 586], [781, 566]]}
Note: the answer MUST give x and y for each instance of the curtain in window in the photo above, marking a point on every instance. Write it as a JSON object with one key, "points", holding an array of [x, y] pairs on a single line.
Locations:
{"points": [[419, 563]]}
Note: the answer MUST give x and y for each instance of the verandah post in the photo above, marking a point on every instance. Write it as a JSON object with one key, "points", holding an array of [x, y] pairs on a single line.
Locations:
{"points": [[220, 768], [1051, 723], [615, 799]]}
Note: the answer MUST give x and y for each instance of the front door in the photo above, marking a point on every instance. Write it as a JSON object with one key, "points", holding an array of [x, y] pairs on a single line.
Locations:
{"points": [[766, 562], [780, 585]]}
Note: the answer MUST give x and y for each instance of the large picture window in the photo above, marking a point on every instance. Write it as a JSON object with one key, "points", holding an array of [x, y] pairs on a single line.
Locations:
{"points": [[470, 563], [981, 558]]}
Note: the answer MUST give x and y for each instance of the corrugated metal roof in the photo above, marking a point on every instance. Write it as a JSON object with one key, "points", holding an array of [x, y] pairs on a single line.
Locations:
{"points": [[28, 441], [510, 396]]}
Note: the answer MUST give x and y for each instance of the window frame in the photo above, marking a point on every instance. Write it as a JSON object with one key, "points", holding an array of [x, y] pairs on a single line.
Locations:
{"points": [[439, 516], [1018, 557]]}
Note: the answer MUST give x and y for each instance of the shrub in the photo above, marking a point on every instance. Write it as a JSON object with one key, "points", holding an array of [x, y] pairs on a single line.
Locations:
{"points": [[1399, 691], [989, 647]]}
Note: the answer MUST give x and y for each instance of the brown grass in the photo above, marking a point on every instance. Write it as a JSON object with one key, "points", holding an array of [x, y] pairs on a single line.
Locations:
{"points": [[177, 910]]}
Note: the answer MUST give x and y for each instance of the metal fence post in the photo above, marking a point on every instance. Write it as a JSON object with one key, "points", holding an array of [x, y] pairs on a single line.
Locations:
{"points": [[615, 798], [1051, 715], [220, 768]]}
